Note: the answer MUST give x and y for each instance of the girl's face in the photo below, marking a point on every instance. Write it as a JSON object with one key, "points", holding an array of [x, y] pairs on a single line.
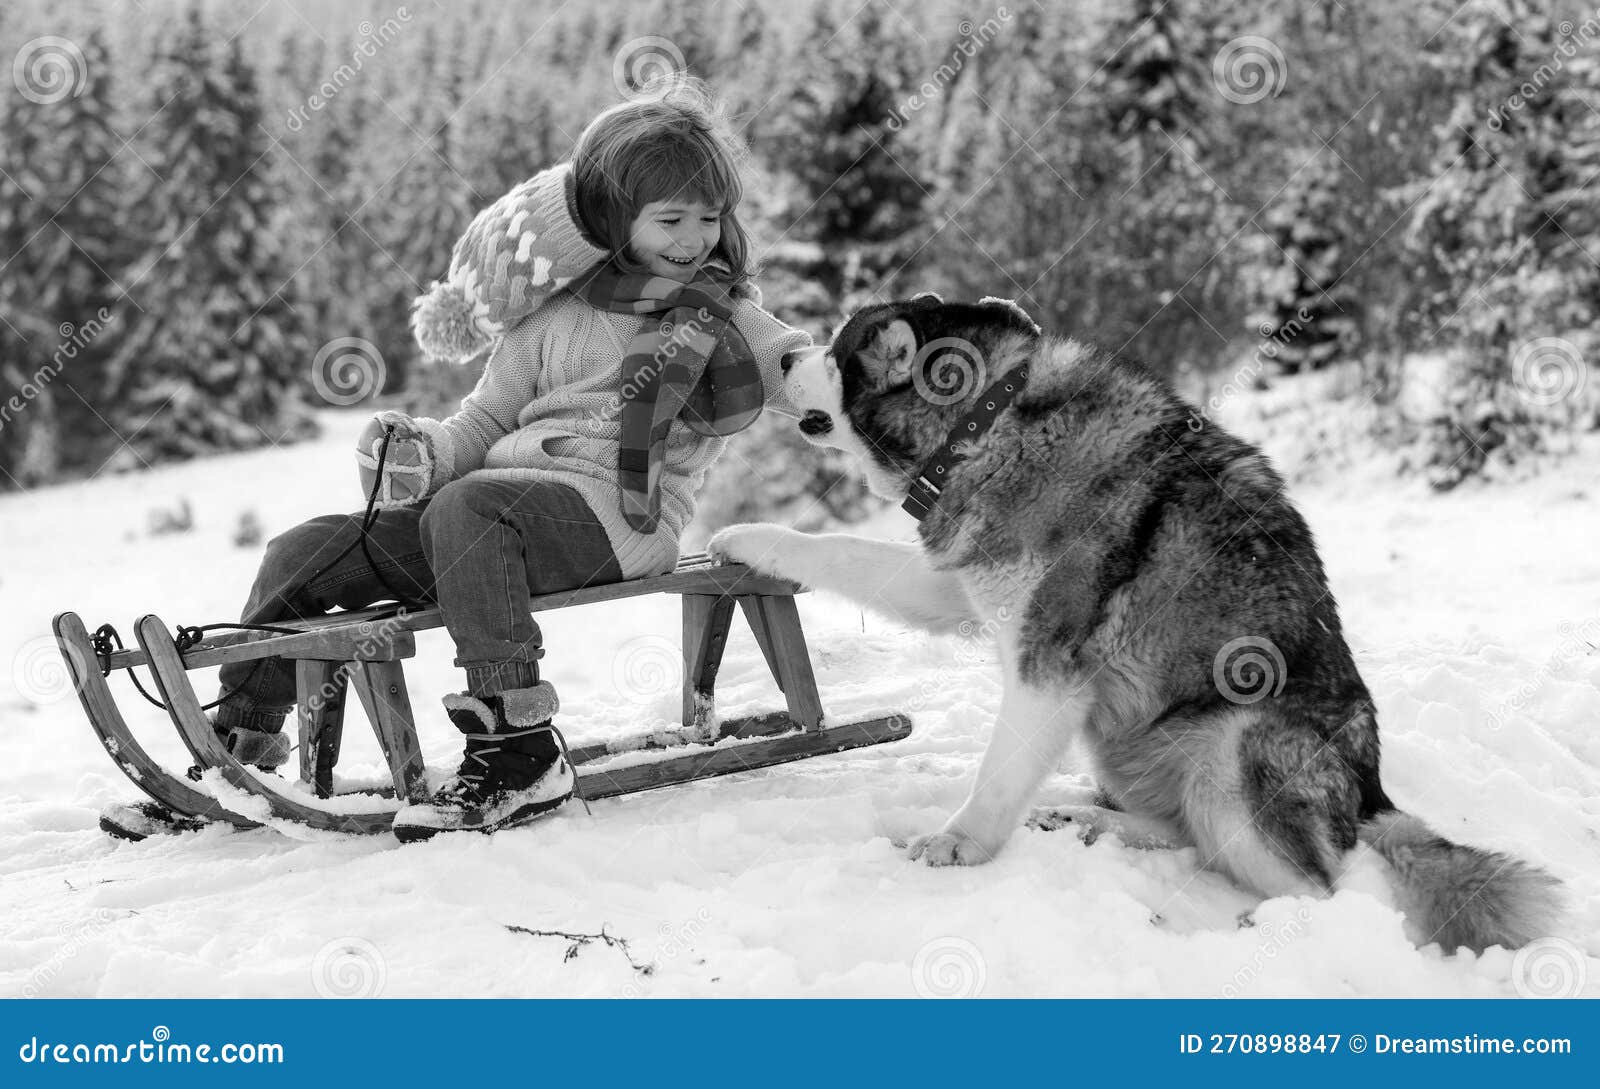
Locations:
{"points": [[673, 238]]}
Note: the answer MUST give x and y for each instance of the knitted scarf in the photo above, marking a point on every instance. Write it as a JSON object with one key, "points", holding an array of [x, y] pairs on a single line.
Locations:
{"points": [[687, 359]]}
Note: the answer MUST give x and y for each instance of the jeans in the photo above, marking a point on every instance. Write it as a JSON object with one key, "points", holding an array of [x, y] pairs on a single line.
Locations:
{"points": [[476, 548]]}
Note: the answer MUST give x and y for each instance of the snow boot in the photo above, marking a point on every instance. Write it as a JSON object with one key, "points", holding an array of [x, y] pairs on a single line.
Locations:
{"points": [[514, 768], [141, 820], [267, 750]]}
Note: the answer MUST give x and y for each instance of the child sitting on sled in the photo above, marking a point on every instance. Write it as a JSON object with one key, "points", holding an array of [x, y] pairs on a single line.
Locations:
{"points": [[626, 341]]}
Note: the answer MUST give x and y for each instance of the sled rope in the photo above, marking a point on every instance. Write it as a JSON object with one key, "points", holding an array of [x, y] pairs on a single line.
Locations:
{"points": [[107, 641], [102, 639]]}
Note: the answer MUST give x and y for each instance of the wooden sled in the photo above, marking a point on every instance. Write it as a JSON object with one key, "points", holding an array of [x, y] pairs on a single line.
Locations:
{"points": [[366, 650]]}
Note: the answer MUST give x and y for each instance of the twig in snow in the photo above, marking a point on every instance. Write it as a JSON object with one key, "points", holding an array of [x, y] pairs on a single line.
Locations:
{"points": [[580, 940]]}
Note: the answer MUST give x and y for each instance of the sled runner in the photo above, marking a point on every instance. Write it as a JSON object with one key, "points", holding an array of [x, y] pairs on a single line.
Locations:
{"points": [[365, 651]]}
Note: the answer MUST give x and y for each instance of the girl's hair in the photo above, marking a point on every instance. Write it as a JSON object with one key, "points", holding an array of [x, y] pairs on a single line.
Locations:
{"points": [[672, 143]]}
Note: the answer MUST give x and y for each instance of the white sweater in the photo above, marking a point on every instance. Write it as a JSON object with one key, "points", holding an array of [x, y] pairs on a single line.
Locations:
{"points": [[547, 408]]}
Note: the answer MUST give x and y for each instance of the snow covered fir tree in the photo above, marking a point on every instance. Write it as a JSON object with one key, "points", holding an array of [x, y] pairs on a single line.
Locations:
{"points": [[1507, 233], [215, 355], [1308, 309], [62, 206]]}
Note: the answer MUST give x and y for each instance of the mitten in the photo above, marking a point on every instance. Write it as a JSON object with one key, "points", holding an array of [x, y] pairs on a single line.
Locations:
{"points": [[416, 464]]}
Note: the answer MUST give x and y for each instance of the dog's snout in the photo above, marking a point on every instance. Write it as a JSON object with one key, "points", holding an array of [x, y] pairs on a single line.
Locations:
{"points": [[789, 359], [815, 423]]}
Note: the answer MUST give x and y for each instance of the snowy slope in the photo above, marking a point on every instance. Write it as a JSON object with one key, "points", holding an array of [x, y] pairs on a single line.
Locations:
{"points": [[1474, 617]]}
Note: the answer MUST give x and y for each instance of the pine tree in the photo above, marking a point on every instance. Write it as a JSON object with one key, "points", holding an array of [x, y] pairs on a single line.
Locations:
{"points": [[509, 135], [67, 206], [1161, 217], [341, 258], [1011, 137], [89, 210], [216, 356], [1308, 310], [861, 186], [691, 27], [27, 432], [1505, 231], [1153, 81], [427, 202]]}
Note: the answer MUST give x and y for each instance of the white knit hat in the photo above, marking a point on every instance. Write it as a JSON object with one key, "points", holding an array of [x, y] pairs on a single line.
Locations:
{"points": [[518, 252]]}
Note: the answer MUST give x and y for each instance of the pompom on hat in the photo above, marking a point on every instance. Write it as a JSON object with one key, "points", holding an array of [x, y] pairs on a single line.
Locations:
{"points": [[518, 252]]}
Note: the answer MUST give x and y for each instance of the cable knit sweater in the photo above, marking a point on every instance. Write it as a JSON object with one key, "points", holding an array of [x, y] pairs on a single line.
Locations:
{"points": [[548, 407]]}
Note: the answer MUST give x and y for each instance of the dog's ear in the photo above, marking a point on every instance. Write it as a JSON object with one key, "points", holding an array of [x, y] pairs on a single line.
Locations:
{"points": [[892, 350], [1011, 305]]}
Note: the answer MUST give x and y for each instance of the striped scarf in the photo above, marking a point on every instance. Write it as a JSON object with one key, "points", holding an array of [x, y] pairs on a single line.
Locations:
{"points": [[686, 360]]}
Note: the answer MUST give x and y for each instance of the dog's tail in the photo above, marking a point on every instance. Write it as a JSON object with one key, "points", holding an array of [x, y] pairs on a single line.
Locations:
{"points": [[1457, 895]]}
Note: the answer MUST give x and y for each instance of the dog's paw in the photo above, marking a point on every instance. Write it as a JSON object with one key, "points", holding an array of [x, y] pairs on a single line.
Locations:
{"points": [[760, 546], [949, 849]]}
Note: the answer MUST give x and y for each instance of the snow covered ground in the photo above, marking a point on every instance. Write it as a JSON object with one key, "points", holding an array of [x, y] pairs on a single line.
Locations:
{"points": [[1474, 616]]}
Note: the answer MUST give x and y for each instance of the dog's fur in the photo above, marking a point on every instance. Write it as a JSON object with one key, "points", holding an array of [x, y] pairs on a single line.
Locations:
{"points": [[1117, 553]]}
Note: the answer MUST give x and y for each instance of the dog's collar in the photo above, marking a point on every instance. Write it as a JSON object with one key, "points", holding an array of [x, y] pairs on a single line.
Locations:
{"points": [[925, 490]]}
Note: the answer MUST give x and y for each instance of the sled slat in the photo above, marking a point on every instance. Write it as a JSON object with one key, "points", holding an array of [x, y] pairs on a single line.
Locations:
{"points": [[334, 644], [766, 725], [727, 759], [339, 635]]}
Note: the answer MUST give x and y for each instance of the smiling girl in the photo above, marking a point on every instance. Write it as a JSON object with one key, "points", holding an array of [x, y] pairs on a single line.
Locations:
{"points": [[625, 342]]}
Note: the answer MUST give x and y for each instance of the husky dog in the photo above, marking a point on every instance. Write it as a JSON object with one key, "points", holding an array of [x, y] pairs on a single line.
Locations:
{"points": [[1152, 592]]}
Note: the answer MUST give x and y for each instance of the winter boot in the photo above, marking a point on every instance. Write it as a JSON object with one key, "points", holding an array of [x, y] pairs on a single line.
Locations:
{"points": [[265, 749], [514, 768], [268, 752]]}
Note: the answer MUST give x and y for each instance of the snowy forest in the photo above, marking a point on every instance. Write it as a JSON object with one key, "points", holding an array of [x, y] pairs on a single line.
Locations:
{"points": [[214, 216]]}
